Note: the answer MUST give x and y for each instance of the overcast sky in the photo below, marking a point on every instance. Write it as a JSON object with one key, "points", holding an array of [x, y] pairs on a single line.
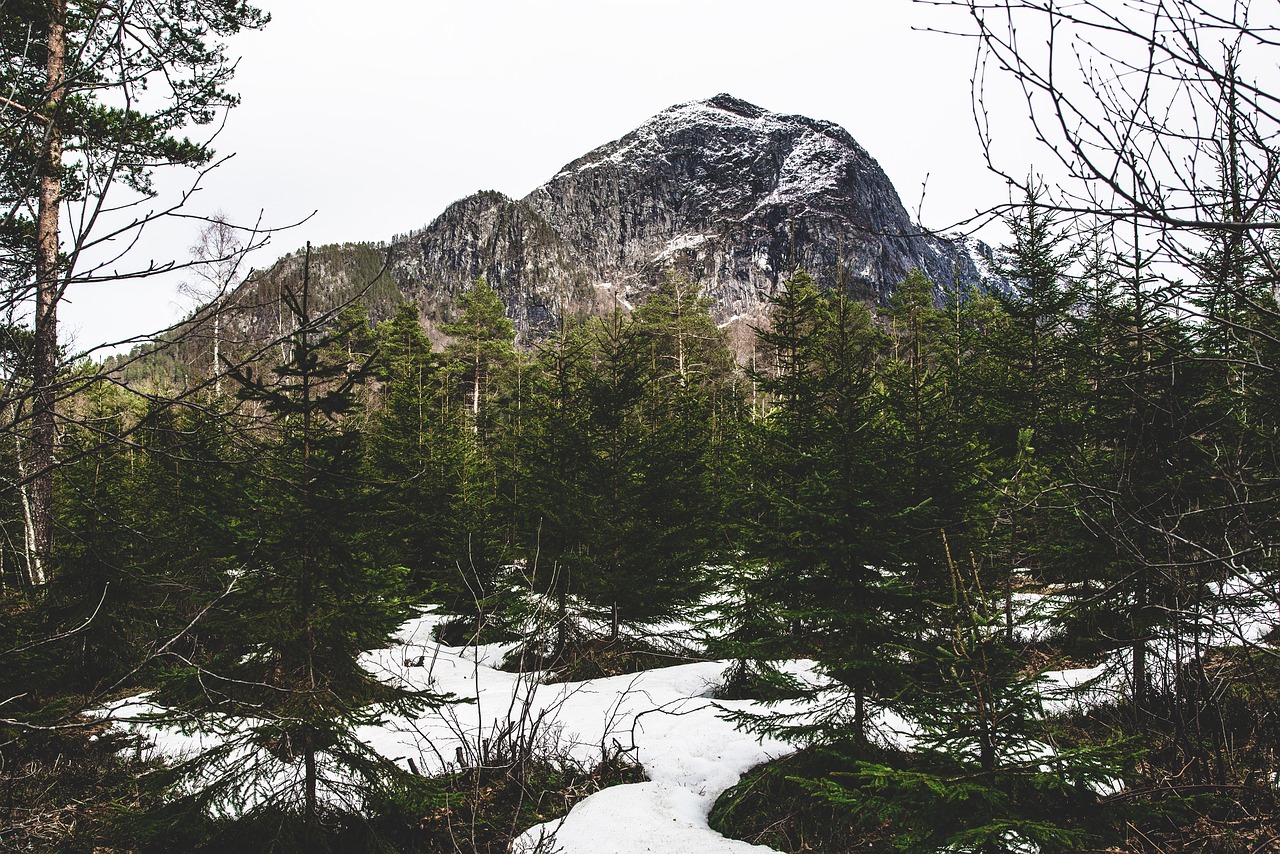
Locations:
{"points": [[378, 114]]}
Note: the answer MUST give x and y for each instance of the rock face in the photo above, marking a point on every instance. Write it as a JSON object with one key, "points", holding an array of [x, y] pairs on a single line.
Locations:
{"points": [[526, 260], [734, 195], [731, 194]]}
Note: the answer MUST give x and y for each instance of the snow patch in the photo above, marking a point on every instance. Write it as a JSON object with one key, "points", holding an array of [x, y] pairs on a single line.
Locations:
{"points": [[680, 243], [641, 817], [730, 321], [665, 718], [619, 294]]}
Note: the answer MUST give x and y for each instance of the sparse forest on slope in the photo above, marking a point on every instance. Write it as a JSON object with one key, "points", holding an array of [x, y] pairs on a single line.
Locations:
{"points": [[731, 195], [984, 569]]}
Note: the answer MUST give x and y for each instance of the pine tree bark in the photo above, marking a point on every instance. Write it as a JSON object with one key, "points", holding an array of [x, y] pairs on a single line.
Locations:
{"points": [[475, 388], [48, 283]]}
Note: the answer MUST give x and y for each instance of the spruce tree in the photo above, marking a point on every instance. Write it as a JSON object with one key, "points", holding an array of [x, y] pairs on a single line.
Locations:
{"points": [[479, 363], [822, 583], [287, 701], [554, 514], [483, 344], [622, 418], [1036, 417], [939, 449], [147, 540], [684, 421], [985, 770], [416, 453]]}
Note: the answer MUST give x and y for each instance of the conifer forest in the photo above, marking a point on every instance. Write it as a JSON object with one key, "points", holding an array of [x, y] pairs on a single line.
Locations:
{"points": [[931, 566]]}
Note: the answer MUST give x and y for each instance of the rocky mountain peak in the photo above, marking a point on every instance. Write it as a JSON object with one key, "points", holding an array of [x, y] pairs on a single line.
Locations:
{"points": [[738, 197], [734, 158], [731, 194]]}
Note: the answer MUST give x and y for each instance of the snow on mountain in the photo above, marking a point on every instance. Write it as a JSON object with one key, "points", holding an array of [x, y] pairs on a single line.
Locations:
{"points": [[735, 196]]}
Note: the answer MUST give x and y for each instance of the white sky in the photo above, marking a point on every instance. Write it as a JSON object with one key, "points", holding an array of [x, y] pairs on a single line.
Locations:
{"points": [[379, 114]]}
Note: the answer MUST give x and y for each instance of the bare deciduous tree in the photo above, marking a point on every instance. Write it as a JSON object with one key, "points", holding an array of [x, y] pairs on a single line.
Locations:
{"points": [[1139, 103], [1161, 119], [219, 253]]}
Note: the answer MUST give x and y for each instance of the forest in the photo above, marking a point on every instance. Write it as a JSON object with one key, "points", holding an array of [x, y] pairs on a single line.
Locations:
{"points": [[905, 517]]}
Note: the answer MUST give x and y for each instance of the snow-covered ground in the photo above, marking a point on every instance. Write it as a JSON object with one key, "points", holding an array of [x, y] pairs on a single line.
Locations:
{"points": [[1241, 611], [663, 718]]}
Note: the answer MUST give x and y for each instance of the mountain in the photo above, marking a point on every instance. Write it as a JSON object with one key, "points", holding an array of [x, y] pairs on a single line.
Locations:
{"points": [[733, 195]]}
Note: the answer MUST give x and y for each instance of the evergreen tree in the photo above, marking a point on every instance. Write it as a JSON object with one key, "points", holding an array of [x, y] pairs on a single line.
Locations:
{"points": [[97, 96], [416, 448], [938, 446], [147, 540], [622, 417], [1037, 403], [682, 341], [482, 346], [985, 771], [1039, 306], [310, 600], [554, 515], [1149, 484], [822, 583], [438, 508], [683, 421]]}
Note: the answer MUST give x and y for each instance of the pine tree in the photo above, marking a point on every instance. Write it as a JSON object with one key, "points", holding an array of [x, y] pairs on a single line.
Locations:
{"points": [[482, 346], [79, 133], [416, 448], [310, 599], [822, 584]]}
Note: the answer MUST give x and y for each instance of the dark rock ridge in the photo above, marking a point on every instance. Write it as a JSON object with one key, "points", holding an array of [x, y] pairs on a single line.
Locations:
{"points": [[735, 196]]}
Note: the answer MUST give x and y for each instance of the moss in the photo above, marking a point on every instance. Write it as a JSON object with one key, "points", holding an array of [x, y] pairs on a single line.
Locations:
{"points": [[860, 797], [771, 806], [595, 658]]}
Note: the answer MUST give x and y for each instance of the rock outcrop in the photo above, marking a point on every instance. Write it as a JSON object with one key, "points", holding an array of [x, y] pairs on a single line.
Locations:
{"points": [[733, 195]]}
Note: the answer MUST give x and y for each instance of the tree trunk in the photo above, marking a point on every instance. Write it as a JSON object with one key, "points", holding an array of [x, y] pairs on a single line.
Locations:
{"points": [[217, 349], [34, 566], [860, 712], [309, 795], [562, 620], [44, 369], [1139, 674], [1013, 567]]}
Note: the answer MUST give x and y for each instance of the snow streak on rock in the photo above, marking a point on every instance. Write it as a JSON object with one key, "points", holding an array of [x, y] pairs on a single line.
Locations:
{"points": [[732, 194]]}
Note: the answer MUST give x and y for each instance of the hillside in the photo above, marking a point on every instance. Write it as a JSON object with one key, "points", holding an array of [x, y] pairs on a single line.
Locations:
{"points": [[733, 195]]}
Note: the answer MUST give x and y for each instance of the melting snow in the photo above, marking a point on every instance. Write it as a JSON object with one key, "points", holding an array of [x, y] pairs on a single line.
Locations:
{"points": [[664, 718]]}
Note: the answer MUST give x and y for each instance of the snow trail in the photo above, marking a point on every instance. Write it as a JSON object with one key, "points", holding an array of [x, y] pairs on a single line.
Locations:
{"points": [[665, 719]]}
